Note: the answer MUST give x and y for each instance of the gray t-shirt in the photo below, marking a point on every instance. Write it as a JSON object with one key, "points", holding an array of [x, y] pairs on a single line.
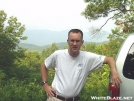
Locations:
{"points": [[71, 72]]}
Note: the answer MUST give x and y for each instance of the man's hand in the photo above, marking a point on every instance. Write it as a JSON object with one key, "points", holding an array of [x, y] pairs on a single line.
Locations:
{"points": [[115, 79], [49, 90], [115, 76]]}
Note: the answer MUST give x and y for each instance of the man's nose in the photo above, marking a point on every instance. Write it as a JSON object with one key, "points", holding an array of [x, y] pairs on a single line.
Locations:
{"points": [[74, 43]]}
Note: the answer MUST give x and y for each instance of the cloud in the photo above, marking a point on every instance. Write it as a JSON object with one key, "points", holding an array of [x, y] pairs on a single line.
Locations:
{"points": [[48, 14]]}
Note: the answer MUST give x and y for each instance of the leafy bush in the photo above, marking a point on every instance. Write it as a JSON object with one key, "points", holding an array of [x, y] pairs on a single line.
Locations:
{"points": [[96, 84], [22, 81]]}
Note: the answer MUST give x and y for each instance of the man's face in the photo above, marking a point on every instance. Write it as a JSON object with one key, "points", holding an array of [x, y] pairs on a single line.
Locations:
{"points": [[75, 41]]}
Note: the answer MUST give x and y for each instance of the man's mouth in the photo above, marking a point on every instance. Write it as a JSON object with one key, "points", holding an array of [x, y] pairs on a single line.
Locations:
{"points": [[75, 48]]}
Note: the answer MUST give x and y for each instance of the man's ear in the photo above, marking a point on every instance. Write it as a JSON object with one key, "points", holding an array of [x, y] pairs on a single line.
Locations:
{"points": [[67, 40], [82, 41]]}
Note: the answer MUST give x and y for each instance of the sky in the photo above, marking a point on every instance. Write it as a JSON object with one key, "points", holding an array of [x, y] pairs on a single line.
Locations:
{"points": [[56, 15]]}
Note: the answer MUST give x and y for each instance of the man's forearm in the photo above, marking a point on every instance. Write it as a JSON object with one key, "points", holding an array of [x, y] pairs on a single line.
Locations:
{"points": [[115, 77], [43, 72], [111, 62], [112, 65]]}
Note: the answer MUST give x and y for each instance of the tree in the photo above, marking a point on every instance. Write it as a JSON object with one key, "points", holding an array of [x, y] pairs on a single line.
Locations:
{"points": [[46, 52], [10, 35], [31, 60], [121, 11]]}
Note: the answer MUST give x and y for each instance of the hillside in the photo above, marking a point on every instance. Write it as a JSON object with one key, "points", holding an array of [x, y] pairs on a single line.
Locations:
{"points": [[41, 39], [61, 45], [47, 37], [32, 47]]}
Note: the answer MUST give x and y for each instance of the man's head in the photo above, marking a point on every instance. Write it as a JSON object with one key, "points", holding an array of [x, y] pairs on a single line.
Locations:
{"points": [[75, 41], [76, 31]]}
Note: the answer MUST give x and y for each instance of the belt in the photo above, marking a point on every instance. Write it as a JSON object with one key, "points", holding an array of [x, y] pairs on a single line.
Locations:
{"points": [[67, 99]]}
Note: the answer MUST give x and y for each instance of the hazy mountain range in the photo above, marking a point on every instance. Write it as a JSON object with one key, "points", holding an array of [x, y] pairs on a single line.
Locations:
{"points": [[41, 39], [47, 37]]}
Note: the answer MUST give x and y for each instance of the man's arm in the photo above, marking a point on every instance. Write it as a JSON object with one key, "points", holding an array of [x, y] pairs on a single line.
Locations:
{"points": [[115, 77], [44, 72]]}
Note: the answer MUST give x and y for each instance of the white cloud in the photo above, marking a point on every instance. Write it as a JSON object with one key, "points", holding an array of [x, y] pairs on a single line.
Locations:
{"points": [[49, 14]]}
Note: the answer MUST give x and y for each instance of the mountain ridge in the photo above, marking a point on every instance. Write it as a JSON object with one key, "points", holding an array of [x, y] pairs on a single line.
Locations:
{"points": [[47, 37], [31, 47]]}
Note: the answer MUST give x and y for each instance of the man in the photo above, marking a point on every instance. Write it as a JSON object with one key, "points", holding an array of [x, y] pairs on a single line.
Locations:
{"points": [[72, 66]]}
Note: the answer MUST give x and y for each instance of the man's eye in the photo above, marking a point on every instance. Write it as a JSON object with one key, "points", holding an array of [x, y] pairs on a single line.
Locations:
{"points": [[75, 40], [72, 40]]}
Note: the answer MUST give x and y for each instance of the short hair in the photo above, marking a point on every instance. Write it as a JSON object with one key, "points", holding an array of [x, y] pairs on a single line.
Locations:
{"points": [[76, 31]]}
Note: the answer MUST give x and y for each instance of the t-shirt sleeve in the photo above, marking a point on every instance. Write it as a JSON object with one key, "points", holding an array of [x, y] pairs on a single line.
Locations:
{"points": [[96, 62], [50, 61]]}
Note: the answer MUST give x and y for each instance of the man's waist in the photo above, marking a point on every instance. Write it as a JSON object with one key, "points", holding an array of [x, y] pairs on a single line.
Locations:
{"points": [[76, 98], [66, 92]]}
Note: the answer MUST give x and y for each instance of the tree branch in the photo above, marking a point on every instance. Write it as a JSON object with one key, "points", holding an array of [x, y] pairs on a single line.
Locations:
{"points": [[111, 18], [108, 20], [113, 10], [97, 30]]}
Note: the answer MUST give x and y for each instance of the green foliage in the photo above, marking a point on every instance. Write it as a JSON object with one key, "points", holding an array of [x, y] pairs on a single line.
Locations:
{"points": [[49, 50], [89, 47], [5, 50], [102, 8], [16, 90], [96, 84], [115, 41], [97, 81], [20, 78], [121, 11], [24, 82], [10, 35], [2, 75], [31, 60]]}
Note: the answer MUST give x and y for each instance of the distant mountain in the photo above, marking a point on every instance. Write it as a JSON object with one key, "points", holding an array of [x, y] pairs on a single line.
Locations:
{"points": [[31, 47], [47, 37]]}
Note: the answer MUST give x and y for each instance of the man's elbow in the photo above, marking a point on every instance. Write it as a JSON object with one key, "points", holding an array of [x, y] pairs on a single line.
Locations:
{"points": [[108, 60]]}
